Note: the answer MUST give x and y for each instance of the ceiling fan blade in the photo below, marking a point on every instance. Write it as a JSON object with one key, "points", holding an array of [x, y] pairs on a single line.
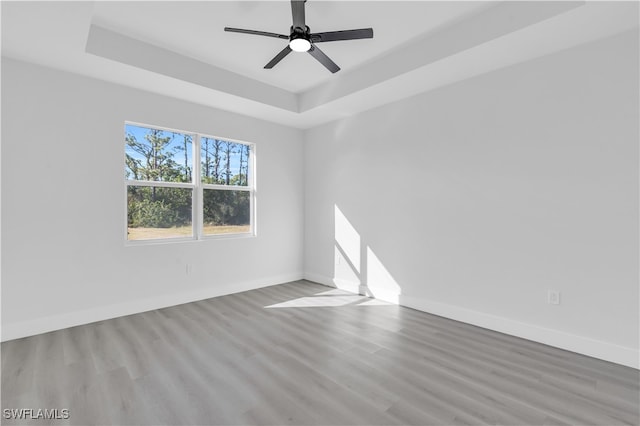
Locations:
{"points": [[323, 59], [284, 52], [261, 33], [342, 35], [297, 10]]}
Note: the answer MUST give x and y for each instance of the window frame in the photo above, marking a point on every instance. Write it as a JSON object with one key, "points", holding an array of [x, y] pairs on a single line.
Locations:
{"points": [[197, 188]]}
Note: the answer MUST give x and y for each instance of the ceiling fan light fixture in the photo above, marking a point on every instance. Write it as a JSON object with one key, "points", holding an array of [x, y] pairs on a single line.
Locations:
{"points": [[300, 45], [300, 37]]}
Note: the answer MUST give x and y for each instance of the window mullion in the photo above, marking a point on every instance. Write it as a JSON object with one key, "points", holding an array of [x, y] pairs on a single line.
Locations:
{"points": [[158, 184], [198, 205], [227, 187], [251, 183]]}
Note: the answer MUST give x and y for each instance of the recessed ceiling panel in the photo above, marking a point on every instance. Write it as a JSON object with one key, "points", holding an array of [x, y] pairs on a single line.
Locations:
{"points": [[183, 51], [196, 29]]}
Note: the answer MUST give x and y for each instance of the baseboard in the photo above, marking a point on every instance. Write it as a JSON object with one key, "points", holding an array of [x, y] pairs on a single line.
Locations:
{"points": [[611, 352], [580, 344], [100, 313], [559, 339], [353, 287]]}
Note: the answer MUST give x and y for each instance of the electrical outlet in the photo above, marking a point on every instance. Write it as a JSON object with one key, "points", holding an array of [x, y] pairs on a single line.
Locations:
{"points": [[553, 297], [188, 269]]}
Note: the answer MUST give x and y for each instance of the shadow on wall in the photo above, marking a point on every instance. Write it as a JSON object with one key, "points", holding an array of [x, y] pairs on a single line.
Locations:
{"points": [[357, 268]]}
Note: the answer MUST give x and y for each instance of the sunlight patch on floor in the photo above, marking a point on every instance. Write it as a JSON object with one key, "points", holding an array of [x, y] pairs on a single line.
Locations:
{"points": [[335, 292], [331, 298], [375, 302]]}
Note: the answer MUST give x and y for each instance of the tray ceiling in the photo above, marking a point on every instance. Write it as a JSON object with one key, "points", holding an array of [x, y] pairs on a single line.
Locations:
{"points": [[179, 48]]}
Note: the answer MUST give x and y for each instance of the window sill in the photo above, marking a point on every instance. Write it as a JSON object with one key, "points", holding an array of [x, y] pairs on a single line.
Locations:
{"points": [[163, 241]]}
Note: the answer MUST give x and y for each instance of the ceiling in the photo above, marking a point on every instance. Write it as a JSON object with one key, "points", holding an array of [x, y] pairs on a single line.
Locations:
{"points": [[179, 48]]}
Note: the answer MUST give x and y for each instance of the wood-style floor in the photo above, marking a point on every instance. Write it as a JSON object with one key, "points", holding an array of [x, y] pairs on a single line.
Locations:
{"points": [[301, 353]]}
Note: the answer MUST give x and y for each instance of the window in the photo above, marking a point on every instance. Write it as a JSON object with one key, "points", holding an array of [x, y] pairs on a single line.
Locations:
{"points": [[183, 185]]}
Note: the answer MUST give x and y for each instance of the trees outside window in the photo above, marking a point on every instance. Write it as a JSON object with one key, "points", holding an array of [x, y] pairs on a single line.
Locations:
{"points": [[182, 185]]}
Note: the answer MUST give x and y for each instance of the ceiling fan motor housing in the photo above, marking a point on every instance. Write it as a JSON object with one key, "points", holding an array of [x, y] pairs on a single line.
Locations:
{"points": [[302, 40], [297, 32]]}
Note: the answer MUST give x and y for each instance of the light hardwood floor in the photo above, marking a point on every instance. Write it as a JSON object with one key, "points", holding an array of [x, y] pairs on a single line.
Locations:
{"points": [[301, 353]]}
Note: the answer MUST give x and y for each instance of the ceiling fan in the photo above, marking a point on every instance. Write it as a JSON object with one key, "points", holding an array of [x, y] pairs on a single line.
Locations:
{"points": [[301, 39]]}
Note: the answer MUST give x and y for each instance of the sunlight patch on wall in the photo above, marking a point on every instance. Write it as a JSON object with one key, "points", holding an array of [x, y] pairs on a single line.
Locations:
{"points": [[380, 283], [356, 271], [345, 275], [347, 239]]}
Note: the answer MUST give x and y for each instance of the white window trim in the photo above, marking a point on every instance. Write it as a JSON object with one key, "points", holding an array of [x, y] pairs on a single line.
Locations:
{"points": [[197, 187]]}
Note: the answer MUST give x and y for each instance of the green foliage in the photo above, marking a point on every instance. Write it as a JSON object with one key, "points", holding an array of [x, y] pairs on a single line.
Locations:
{"points": [[226, 207], [150, 214], [151, 159], [216, 162], [158, 207], [155, 157]]}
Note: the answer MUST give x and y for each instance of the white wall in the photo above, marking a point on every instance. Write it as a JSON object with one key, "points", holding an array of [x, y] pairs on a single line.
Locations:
{"points": [[473, 200], [64, 260], [469, 201]]}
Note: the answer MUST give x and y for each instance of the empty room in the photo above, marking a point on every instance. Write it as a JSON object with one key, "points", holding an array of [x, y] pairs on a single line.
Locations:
{"points": [[320, 212]]}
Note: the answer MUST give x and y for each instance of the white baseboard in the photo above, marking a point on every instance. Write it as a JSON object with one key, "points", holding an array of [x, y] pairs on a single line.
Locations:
{"points": [[353, 287], [583, 345], [560, 339], [100, 313], [580, 344]]}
